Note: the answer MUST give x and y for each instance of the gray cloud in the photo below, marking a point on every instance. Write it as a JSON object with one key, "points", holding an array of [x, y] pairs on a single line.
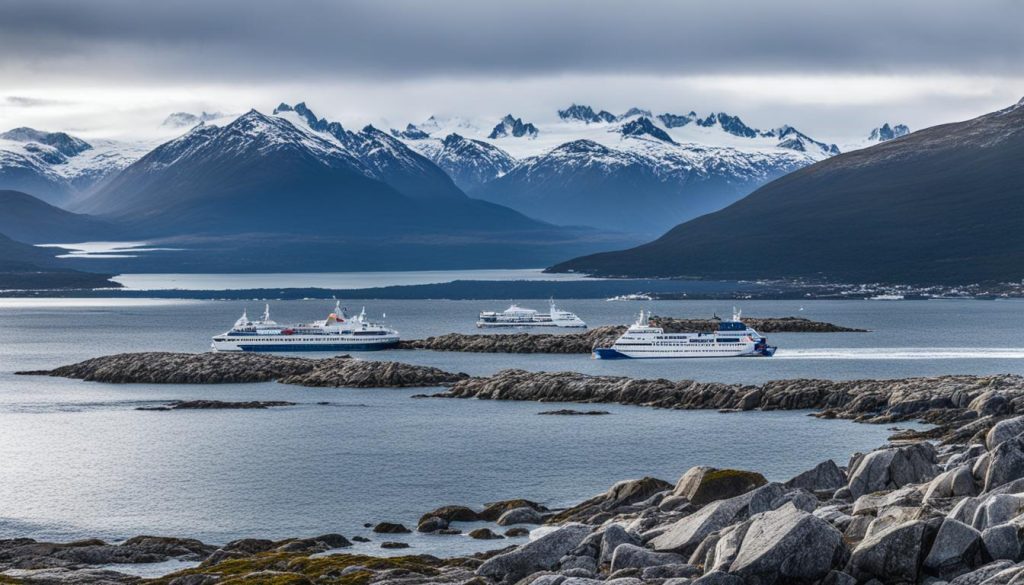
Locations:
{"points": [[401, 39], [31, 102]]}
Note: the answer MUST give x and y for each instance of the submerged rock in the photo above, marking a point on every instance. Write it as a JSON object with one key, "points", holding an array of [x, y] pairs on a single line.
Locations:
{"points": [[217, 404], [390, 528]]}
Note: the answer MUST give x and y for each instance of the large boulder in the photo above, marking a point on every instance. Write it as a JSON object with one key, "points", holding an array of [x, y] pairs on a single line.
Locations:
{"points": [[542, 554], [452, 514], [685, 534], [631, 556], [524, 515], [893, 555], [996, 509], [612, 537], [788, 545], [702, 484], [826, 476], [1006, 463], [955, 483], [1002, 542], [895, 467], [494, 510], [1003, 431], [957, 549], [622, 494]]}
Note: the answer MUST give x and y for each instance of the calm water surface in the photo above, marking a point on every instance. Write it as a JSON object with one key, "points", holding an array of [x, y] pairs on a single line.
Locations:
{"points": [[78, 460]]}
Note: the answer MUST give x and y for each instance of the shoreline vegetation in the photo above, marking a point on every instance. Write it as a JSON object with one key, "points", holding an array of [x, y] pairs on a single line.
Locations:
{"points": [[939, 505]]}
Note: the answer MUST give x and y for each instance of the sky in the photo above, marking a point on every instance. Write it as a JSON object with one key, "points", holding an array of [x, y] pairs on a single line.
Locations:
{"points": [[834, 70]]}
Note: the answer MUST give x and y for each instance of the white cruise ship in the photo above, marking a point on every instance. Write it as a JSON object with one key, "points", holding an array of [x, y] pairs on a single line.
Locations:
{"points": [[516, 316], [642, 340], [338, 332]]}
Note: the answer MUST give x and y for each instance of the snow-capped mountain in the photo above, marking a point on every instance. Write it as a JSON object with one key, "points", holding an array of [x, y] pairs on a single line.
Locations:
{"points": [[294, 191], [638, 185], [514, 127], [188, 120], [58, 167], [886, 132], [680, 165], [586, 114], [470, 163], [383, 156]]}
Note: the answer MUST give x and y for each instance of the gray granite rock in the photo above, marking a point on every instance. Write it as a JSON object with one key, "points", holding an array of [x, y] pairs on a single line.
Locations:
{"points": [[542, 554], [891, 556], [631, 556], [957, 549], [788, 545], [892, 468]]}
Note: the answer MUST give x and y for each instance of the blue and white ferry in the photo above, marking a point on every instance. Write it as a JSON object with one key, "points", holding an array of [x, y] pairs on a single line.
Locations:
{"points": [[338, 332], [732, 339]]}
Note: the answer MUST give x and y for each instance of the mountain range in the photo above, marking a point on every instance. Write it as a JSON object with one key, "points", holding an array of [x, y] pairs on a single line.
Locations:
{"points": [[940, 205], [57, 167], [633, 172], [292, 190]]}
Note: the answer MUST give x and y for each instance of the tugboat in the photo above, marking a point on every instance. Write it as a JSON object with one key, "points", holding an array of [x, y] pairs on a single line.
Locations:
{"points": [[516, 316], [642, 340], [338, 332]]}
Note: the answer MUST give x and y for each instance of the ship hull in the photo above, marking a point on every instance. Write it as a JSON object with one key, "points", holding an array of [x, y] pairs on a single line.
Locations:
{"points": [[610, 353], [276, 346]]}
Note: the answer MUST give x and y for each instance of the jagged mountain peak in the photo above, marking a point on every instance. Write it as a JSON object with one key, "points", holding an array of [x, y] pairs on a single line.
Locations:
{"points": [[411, 132], [585, 114], [643, 127], [64, 143], [886, 132], [729, 123], [675, 120], [512, 126], [311, 119], [635, 111]]}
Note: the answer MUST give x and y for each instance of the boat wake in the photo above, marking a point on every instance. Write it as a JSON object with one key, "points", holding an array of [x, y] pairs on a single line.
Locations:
{"points": [[902, 353]]}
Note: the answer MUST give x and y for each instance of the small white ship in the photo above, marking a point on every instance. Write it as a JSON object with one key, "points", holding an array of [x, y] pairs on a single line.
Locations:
{"points": [[642, 340], [632, 297], [886, 297], [516, 316], [338, 332]]}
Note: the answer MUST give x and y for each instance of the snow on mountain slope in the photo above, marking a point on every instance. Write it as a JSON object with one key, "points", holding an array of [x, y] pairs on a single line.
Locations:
{"points": [[882, 133], [470, 163], [678, 164], [180, 120], [57, 167], [385, 157]]}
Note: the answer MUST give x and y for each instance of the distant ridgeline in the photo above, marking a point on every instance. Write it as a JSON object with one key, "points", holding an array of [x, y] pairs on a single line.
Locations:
{"points": [[941, 205]]}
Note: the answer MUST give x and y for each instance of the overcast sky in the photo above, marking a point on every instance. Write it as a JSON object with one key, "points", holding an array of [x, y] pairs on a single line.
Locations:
{"points": [[833, 69]]}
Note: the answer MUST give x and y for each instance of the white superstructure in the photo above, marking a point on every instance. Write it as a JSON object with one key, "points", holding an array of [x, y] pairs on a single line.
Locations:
{"points": [[338, 332], [516, 316], [642, 340]]}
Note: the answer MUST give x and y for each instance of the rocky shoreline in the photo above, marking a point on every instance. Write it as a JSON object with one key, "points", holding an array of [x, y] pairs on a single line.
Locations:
{"points": [[909, 512], [939, 506], [227, 368], [603, 336]]}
